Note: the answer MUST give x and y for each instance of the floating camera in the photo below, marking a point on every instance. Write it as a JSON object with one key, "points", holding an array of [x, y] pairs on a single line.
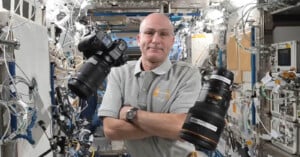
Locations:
{"points": [[206, 119], [102, 53]]}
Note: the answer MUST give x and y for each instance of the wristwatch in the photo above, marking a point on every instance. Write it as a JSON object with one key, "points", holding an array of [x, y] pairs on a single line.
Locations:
{"points": [[131, 114]]}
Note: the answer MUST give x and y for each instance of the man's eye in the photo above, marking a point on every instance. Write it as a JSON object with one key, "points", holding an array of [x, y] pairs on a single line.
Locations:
{"points": [[149, 33], [164, 34]]}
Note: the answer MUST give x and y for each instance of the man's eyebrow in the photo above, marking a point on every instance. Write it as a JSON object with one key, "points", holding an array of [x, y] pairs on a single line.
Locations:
{"points": [[163, 29]]}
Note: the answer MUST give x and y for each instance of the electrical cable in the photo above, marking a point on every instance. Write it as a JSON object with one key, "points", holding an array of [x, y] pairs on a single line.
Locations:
{"points": [[27, 20], [13, 87], [9, 119], [262, 91], [242, 22], [22, 122], [84, 108], [28, 136], [14, 106], [17, 80], [17, 6], [262, 124], [93, 153]]}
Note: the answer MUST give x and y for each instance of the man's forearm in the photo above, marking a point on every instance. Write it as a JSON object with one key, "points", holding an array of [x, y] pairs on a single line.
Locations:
{"points": [[117, 129], [166, 125]]}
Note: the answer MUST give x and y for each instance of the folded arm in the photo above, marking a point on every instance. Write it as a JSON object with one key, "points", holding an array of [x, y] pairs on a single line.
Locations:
{"points": [[146, 124], [118, 129]]}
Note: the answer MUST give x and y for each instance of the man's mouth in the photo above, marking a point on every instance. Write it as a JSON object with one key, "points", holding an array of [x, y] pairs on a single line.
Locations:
{"points": [[155, 48]]}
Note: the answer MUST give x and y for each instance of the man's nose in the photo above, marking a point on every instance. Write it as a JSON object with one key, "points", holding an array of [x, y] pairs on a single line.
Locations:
{"points": [[156, 37]]}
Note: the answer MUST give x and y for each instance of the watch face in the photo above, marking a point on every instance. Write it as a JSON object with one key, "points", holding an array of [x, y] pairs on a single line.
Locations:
{"points": [[131, 114]]}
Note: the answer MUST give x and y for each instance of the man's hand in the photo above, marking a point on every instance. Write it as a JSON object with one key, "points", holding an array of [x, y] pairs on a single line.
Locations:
{"points": [[123, 111]]}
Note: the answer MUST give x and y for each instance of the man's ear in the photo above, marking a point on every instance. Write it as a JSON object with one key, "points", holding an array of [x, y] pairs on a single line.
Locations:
{"points": [[173, 38], [138, 39]]}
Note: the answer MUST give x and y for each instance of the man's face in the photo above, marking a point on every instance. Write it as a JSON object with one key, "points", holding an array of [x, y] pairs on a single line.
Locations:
{"points": [[155, 39]]}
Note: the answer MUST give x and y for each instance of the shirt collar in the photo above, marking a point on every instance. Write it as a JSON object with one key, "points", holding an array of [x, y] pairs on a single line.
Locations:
{"points": [[162, 69]]}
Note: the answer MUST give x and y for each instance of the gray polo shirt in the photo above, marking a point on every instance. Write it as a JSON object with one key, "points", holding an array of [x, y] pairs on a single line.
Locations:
{"points": [[169, 88]]}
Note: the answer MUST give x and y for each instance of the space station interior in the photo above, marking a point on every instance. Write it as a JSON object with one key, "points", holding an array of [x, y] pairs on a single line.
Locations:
{"points": [[47, 54]]}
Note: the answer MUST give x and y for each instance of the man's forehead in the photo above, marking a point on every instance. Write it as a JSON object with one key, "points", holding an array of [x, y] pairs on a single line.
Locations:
{"points": [[156, 23], [157, 29]]}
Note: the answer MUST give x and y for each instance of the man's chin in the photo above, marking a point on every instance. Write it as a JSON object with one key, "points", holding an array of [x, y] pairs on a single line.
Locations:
{"points": [[156, 59]]}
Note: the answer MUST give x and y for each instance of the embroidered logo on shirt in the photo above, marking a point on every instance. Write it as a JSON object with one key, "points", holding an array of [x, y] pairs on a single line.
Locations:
{"points": [[162, 94]]}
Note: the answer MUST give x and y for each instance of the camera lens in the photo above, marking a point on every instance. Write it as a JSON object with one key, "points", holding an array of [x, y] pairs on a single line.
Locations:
{"points": [[93, 72], [206, 119], [90, 76]]}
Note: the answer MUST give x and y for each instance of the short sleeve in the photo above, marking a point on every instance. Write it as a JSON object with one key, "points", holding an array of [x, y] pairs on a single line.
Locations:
{"points": [[112, 99]]}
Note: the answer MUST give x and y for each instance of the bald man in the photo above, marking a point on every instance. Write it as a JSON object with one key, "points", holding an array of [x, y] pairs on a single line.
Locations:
{"points": [[146, 101]]}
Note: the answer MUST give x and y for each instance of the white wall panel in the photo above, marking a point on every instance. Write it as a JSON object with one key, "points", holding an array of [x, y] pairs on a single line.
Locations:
{"points": [[33, 58]]}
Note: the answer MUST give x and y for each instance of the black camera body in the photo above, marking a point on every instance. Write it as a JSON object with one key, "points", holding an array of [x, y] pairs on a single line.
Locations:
{"points": [[102, 53], [206, 119]]}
